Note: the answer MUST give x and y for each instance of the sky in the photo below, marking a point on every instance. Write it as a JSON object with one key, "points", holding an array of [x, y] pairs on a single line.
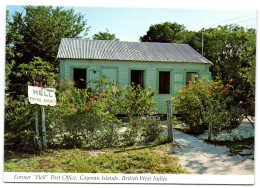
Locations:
{"points": [[128, 24]]}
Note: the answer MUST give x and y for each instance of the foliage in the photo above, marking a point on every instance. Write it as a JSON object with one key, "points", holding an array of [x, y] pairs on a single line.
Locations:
{"points": [[137, 101], [145, 128], [82, 116], [10, 54], [138, 104], [105, 36], [232, 49], [87, 117], [152, 128], [36, 32], [19, 123], [38, 71], [137, 159], [165, 32], [201, 103]]}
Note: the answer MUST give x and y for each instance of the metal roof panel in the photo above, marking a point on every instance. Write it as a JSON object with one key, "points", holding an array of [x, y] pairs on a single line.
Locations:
{"points": [[74, 48]]}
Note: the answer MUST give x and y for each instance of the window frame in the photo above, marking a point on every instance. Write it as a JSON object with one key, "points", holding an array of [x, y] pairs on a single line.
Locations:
{"points": [[86, 79], [191, 71], [158, 80], [143, 79], [138, 69]]}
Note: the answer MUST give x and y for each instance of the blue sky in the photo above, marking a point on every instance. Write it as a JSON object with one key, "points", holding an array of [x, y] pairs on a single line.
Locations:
{"points": [[128, 24]]}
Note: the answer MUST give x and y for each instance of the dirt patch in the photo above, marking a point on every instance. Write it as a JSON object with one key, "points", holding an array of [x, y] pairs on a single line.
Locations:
{"points": [[199, 157]]}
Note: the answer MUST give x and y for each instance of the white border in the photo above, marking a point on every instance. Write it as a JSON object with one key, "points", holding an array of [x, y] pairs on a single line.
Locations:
{"points": [[28, 177], [220, 4]]}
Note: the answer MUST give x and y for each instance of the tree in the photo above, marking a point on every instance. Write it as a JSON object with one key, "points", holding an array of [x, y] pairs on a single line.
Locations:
{"points": [[232, 49], [165, 32], [9, 52], [105, 36], [38, 71], [37, 34]]}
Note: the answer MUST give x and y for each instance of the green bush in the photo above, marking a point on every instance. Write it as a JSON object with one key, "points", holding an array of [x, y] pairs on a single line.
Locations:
{"points": [[138, 104], [152, 128], [19, 123], [144, 128], [82, 117], [137, 101], [86, 117], [204, 102]]}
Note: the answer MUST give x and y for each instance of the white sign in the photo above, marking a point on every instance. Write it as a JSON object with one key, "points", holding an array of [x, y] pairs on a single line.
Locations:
{"points": [[42, 96]]}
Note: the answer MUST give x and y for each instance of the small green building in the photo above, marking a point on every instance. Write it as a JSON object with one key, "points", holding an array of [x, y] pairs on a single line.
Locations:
{"points": [[166, 67]]}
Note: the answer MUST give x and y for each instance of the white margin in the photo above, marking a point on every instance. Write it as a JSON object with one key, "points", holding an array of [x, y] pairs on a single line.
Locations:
{"points": [[28, 177]]}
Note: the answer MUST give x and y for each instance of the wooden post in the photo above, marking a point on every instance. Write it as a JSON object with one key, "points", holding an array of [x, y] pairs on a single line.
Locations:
{"points": [[112, 134], [43, 128], [38, 141], [210, 121], [169, 119]]}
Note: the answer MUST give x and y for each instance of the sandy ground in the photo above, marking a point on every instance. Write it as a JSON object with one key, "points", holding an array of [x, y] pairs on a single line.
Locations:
{"points": [[198, 157]]}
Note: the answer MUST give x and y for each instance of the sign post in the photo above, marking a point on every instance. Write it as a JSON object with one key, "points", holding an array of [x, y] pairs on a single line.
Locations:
{"points": [[43, 97], [38, 141], [43, 128]]}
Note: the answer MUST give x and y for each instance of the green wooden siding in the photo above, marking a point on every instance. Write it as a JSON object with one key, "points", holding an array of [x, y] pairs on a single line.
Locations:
{"points": [[121, 72]]}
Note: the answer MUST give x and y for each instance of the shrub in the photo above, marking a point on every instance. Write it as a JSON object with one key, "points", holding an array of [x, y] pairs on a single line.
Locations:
{"points": [[81, 117], [137, 101], [204, 102], [86, 117], [138, 104], [152, 128], [19, 123]]}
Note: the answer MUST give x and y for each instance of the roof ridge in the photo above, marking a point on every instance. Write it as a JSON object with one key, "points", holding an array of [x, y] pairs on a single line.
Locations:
{"points": [[124, 41]]}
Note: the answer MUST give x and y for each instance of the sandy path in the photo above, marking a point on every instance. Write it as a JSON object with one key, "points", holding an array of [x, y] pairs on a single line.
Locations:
{"points": [[198, 157]]}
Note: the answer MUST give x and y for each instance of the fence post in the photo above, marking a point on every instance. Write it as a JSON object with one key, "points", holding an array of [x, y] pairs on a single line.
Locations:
{"points": [[112, 134], [210, 121], [38, 141], [43, 128], [169, 120]]}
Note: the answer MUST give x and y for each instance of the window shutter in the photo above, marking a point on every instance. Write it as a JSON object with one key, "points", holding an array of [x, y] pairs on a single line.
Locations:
{"points": [[178, 81]]}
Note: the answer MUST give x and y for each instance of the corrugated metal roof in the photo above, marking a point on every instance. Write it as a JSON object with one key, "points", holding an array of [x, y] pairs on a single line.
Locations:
{"points": [[74, 48]]}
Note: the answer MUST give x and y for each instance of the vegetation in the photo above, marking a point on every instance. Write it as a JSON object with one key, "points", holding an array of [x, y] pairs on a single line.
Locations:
{"points": [[231, 48], [36, 32], [105, 36], [87, 118], [19, 123], [135, 159], [166, 32], [205, 103]]}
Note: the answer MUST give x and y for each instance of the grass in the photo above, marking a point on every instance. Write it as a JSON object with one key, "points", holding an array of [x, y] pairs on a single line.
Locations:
{"points": [[135, 159]]}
